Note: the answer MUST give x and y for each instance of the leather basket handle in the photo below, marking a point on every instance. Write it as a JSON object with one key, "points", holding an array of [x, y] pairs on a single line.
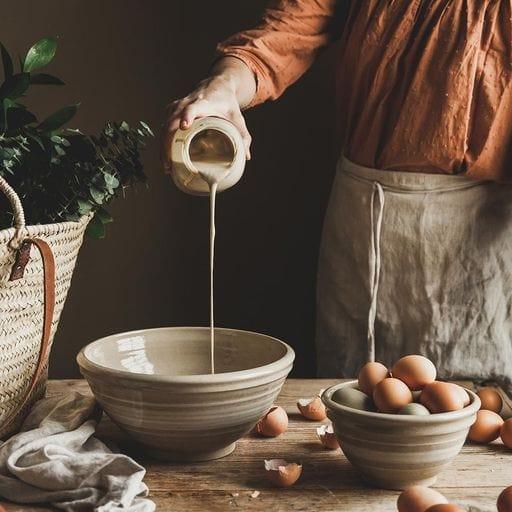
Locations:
{"points": [[22, 258], [23, 246]]}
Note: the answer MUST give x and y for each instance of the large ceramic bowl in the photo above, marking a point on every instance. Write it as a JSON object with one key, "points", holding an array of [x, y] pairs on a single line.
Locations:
{"points": [[156, 385], [395, 451]]}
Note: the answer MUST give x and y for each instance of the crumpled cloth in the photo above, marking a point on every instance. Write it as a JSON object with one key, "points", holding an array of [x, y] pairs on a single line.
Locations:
{"points": [[56, 459]]}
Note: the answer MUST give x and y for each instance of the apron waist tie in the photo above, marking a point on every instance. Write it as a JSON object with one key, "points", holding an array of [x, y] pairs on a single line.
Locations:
{"points": [[375, 262]]}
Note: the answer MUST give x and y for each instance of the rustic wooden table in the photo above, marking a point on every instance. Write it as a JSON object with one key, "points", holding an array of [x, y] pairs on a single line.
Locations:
{"points": [[328, 482]]}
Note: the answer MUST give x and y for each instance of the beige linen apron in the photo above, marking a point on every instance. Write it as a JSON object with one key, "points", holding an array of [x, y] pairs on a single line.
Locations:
{"points": [[416, 263]]}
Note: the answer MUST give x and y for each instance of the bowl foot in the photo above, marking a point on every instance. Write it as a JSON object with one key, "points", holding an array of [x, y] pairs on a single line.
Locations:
{"points": [[178, 456], [396, 485]]}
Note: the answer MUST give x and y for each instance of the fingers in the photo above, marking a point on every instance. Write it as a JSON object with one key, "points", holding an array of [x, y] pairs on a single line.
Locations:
{"points": [[182, 113], [192, 111], [169, 128], [239, 121]]}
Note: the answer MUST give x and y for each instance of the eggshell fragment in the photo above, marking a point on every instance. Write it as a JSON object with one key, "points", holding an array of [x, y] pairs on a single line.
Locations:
{"points": [[440, 397], [353, 398], [416, 371], [282, 473], [414, 409], [486, 427], [327, 437], [274, 423], [419, 499], [491, 400], [504, 502], [370, 375], [391, 394], [449, 507], [312, 408], [506, 433]]}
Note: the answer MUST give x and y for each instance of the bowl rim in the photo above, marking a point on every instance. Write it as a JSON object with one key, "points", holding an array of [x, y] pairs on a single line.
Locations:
{"points": [[216, 378], [442, 417]]}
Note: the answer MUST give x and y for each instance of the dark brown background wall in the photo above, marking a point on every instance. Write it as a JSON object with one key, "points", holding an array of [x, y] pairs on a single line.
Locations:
{"points": [[125, 59]]}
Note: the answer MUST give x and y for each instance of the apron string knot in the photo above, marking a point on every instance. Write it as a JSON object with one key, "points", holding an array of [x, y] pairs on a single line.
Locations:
{"points": [[375, 262]]}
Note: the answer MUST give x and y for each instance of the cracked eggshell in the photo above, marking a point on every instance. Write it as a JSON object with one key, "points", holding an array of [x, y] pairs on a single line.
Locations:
{"points": [[282, 473], [327, 437], [274, 423], [312, 408]]}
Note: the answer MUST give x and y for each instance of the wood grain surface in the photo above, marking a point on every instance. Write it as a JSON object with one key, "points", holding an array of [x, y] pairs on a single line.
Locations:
{"points": [[328, 482]]}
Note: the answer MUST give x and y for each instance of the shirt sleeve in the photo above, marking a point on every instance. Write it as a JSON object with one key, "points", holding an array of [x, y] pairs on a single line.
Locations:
{"points": [[284, 45]]}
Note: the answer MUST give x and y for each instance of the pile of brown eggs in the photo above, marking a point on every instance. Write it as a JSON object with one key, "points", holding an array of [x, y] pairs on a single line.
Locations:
{"points": [[424, 499], [410, 387], [489, 425]]}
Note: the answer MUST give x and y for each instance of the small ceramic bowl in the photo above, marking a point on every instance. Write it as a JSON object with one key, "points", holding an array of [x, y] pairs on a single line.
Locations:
{"points": [[394, 451], [156, 385]]}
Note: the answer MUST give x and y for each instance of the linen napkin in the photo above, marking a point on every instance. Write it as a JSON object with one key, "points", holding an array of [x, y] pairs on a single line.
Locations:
{"points": [[56, 459]]}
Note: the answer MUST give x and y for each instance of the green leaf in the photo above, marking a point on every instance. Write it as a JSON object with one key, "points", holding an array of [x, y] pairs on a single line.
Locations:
{"points": [[6, 61], [111, 181], [84, 207], [45, 79], [7, 104], [96, 228], [147, 128], [104, 216], [40, 54], [15, 86], [57, 139], [97, 195], [59, 118]]}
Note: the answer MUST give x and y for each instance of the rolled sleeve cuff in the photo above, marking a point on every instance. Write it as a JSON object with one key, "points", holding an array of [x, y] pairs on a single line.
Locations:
{"points": [[264, 86]]}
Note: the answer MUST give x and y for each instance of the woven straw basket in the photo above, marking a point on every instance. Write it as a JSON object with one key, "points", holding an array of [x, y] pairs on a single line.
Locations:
{"points": [[33, 288]]}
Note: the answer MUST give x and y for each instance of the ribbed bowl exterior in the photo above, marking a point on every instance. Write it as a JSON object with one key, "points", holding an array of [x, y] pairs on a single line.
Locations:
{"points": [[187, 420], [394, 451]]}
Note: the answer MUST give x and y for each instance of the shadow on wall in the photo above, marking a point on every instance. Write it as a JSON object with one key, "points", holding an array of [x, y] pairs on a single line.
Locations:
{"points": [[125, 59]]}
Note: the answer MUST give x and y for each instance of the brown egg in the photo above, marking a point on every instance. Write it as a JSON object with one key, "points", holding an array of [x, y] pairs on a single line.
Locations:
{"points": [[282, 473], [441, 397], [370, 375], [418, 499], [274, 423], [491, 400], [327, 437], [486, 427], [312, 408], [416, 371], [390, 395], [449, 507], [463, 393], [504, 502], [506, 433]]}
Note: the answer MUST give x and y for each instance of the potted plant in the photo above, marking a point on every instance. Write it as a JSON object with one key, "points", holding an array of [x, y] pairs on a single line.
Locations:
{"points": [[54, 185]]}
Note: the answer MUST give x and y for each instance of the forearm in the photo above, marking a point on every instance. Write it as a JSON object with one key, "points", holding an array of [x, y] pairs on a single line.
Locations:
{"points": [[237, 76]]}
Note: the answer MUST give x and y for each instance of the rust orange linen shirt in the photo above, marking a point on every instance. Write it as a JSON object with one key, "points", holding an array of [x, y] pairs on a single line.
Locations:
{"points": [[422, 85]]}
